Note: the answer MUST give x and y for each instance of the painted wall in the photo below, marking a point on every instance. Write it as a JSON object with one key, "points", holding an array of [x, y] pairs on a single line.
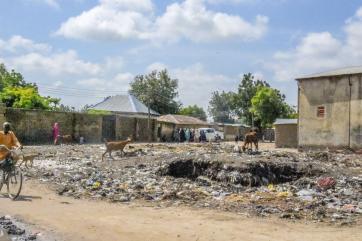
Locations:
{"points": [[335, 94], [286, 136]]}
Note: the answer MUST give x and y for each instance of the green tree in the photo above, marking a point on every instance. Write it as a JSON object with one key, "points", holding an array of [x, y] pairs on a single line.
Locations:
{"points": [[158, 90], [220, 107], [11, 79], [26, 97], [16, 92], [65, 108], [241, 101], [194, 111], [268, 104]]}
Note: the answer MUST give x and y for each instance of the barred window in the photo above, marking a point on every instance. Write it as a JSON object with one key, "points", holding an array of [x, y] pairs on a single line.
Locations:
{"points": [[321, 111]]}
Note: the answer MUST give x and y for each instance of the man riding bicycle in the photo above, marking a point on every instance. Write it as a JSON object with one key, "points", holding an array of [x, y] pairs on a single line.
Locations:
{"points": [[10, 174], [8, 139]]}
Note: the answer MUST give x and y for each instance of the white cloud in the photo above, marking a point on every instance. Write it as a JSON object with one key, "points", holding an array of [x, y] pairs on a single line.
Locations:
{"points": [[191, 19], [120, 82], [320, 51], [54, 64], [138, 5], [110, 20], [196, 84], [156, 66], [19, 44], [30, 57]]}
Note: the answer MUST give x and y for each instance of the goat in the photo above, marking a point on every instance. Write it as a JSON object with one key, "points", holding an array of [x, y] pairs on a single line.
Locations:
{"points": [[250, 138], [115, 146], [67, 139], [28, 158]]}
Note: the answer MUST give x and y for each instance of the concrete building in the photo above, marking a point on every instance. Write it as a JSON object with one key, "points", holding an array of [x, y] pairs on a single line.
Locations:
{"points": [[166, 124], [231, 130], [127, 105], [286, 133], [330, 109]]}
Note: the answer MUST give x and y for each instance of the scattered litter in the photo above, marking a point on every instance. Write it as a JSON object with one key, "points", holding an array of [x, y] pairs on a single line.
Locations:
{"points": [[313, 186]]}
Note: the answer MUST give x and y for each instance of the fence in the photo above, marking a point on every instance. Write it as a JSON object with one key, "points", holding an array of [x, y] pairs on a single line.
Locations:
{"points": [[35, 126]]}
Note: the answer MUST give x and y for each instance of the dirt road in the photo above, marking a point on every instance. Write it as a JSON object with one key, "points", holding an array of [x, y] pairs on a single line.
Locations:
{"points": [[71, 219]]}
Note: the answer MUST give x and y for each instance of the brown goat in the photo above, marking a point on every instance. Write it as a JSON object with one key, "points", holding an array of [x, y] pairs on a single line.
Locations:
{"points": [[28, 159], [250, 138], [67, 139], [115, 146]]}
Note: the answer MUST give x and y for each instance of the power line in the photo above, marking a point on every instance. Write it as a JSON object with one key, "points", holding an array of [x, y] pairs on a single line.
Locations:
{"points": [[74, 92]]}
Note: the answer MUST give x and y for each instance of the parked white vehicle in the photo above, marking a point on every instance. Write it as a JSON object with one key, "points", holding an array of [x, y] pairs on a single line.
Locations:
{"points": [[210, 133]]}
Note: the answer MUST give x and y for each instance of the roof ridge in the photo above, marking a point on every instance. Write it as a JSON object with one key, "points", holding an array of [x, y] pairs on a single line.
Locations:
{"points": [[130, 97]]}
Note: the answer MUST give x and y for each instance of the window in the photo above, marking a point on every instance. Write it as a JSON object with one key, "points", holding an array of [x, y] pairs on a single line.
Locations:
{"points": [[321, 111]]}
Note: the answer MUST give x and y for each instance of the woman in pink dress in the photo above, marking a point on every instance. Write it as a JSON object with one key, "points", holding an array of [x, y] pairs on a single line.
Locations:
{"points": [[55, 133]]}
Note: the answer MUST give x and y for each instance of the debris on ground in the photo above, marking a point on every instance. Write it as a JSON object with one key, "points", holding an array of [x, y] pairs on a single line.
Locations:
{"points": [[313, 186], [11, 230]]}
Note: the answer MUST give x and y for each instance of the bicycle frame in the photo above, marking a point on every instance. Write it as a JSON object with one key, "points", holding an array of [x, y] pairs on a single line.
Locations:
{"points": [[10, 172]]}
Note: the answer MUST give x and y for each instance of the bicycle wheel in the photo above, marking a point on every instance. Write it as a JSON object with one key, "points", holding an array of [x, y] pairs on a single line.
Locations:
{"points": [[14, 182]]}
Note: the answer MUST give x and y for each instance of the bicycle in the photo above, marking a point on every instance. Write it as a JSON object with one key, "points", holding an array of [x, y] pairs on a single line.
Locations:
{"points": [[10, 174]]}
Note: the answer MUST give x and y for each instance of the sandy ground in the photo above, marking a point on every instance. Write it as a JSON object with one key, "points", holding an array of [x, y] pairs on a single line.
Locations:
{"points": [[71, 219]]}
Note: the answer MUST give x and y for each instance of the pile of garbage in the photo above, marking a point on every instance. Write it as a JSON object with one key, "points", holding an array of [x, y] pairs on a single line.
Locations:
{"points": [[10, 230], [319, 187]]}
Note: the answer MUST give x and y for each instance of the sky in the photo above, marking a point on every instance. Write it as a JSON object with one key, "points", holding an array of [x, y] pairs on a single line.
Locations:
{"points": [[84, 50]]}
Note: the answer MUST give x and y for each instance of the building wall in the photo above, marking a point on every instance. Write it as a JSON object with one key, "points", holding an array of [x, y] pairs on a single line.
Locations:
{"points": [[125, 127], [230, 132], [88, 126], [35, 126], [334, 129], [167, 130], [356, 112], [286, 136]]}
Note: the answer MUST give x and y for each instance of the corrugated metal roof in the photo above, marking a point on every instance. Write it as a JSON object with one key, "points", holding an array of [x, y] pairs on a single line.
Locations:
{"points": [[229, 124], [181, 120], [123, 104], [337, 72], [285, 121]]}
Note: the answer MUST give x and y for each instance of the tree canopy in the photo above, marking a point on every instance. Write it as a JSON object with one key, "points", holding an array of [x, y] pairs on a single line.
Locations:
{"points": [[158, 90], [268, 104], [220, 107], [241, 101], [194, 111], [16, 92]]}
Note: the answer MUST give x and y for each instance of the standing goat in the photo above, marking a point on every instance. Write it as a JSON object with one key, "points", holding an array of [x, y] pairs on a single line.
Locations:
{"points": [[251, 138], [115, 146]]}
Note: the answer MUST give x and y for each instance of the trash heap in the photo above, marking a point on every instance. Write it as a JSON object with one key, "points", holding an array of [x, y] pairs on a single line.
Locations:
{"points": [[10, 230], [316, 187]]}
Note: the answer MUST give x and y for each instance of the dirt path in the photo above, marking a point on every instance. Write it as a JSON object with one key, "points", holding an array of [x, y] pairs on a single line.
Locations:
{"points": [[74, 219]]}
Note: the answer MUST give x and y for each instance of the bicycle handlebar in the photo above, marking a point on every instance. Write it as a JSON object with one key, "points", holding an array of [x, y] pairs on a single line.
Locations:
{"points": [[5, 147]]}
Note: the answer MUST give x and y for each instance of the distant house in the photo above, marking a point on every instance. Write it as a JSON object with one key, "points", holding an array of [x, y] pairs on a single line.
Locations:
{"points": [[166, 124], [330, 109], [127, 105], [232, 130], [286, 133]]}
